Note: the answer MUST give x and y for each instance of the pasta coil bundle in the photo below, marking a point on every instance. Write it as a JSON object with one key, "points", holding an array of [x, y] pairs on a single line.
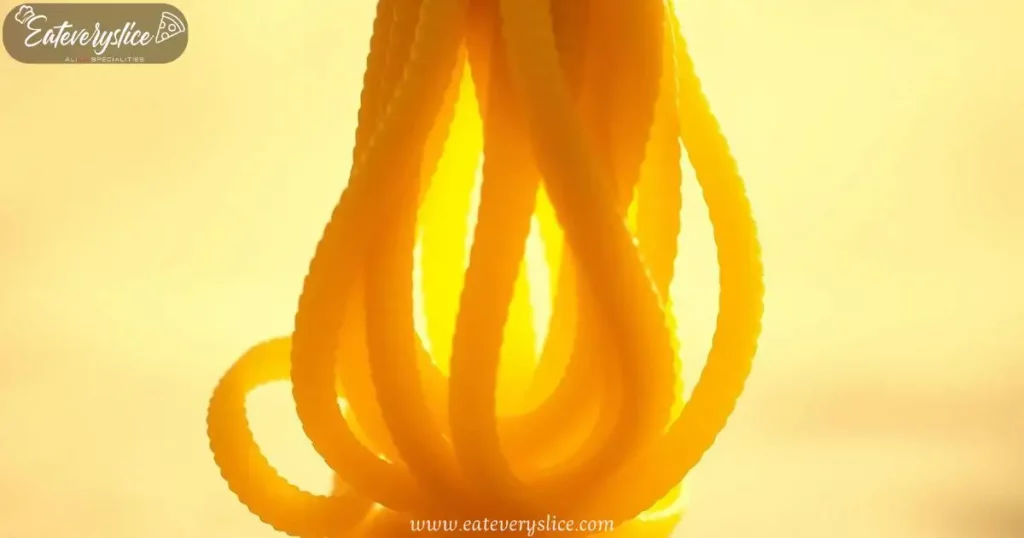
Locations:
{"points": [[577, 109]]}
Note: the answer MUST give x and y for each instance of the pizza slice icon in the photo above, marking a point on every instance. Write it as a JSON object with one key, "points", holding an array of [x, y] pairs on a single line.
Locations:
{"points": [[170, 26]]}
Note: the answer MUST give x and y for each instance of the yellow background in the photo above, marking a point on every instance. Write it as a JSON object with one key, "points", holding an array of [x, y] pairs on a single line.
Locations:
{"points": [[157, 220]]}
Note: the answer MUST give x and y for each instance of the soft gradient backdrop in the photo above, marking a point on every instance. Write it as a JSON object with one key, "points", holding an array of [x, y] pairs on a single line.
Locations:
{"points": [[157, 220]]}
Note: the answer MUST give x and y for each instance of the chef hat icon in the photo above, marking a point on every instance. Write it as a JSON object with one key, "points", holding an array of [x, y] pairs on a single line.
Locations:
{"points": [[24, 14]]}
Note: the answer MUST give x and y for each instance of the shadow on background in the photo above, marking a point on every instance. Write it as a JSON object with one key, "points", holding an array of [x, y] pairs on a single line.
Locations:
{"points": [[157, 220]]}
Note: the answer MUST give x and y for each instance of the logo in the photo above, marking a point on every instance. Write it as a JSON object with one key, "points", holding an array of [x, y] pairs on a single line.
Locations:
{"points": [[95, 33]]}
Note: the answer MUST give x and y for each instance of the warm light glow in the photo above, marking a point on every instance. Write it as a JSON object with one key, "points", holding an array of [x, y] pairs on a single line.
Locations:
{"points": [[538, 273]]}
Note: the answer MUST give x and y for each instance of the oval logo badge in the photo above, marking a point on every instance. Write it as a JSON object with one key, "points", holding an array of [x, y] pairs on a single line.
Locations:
{"points": [[95, 33]]}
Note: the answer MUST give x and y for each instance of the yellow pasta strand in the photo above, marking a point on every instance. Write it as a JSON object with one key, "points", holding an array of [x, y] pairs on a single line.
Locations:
{"points": [[478, 386]]}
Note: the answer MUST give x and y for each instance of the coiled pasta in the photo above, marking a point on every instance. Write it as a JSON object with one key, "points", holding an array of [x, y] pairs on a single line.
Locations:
{"points": [[578, 109]]}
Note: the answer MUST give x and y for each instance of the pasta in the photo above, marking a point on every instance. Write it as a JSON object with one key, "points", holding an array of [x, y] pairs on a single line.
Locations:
{"points": [[578, 109]]}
